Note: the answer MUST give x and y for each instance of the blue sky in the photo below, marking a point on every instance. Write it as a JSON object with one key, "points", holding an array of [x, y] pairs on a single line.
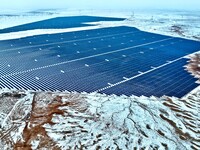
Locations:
{"points": [[100, 4]]}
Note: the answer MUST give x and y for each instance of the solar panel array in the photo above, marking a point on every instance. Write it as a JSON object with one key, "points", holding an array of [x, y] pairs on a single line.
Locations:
{"points": [[60, 23], [116, 60]]}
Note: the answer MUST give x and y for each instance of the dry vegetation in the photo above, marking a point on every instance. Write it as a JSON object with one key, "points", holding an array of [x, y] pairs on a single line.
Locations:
{"points": [[194, 65], [178, 30]]}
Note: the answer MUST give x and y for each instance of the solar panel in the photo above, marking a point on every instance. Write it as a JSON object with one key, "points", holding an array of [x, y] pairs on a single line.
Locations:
{"points": [[60, 23], [171, 80], [116, 60]]}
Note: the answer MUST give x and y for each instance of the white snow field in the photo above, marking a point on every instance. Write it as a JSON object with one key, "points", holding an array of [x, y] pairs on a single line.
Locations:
{"points": [[64, 120]]}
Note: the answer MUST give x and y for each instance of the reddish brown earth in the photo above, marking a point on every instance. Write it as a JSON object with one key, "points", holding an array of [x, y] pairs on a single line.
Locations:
{"points": [[40, 116], [194, 65]]}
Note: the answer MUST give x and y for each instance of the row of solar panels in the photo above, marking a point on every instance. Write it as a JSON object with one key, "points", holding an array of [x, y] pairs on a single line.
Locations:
{"points": [[90, 65]]}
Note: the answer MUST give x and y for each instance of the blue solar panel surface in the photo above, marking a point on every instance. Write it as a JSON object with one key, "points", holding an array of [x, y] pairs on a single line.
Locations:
{"points": [[171, 80], [117, 60], [60, 23]]}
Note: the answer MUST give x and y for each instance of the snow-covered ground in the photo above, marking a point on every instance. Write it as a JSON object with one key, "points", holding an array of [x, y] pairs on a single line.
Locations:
{"points": [[66, 120], [97, 121]]}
